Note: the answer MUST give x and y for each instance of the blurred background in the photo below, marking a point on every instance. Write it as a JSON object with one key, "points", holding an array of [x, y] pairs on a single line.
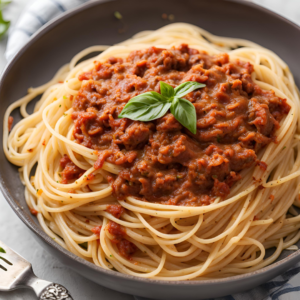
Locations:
{"points": [[17, 236]]}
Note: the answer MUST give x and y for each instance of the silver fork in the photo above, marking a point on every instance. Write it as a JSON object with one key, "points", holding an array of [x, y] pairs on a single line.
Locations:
{"points": [[16, 272]]}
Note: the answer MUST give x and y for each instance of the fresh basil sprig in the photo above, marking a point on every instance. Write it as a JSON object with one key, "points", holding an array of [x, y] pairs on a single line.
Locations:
{"points": [[4, 25], [2, 250], [152, 105]]}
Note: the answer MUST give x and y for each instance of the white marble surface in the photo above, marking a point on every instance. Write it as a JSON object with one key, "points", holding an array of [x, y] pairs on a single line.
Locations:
{"points": [[15, 234]]}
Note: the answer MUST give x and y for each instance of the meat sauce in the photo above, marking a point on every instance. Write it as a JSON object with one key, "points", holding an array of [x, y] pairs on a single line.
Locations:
{"points": [[10, 123], [96, 230], [163, 161], [125, 247], [70, 170], [119, 238], [115, 210]]}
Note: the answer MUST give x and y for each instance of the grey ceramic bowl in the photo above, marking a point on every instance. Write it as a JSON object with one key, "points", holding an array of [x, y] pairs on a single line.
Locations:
{"points": [[94, 23]]}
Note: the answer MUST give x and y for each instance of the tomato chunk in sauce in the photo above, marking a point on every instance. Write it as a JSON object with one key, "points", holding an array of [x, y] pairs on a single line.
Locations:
{"points": [[162, 161]]}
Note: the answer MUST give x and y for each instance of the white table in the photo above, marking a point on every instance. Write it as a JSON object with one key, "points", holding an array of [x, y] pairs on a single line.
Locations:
{"points": [[15, 234]]}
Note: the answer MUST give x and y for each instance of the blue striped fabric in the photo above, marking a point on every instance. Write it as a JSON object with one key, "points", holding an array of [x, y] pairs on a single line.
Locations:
{"points": [[280, 288], [37, 14], [33, 18]]}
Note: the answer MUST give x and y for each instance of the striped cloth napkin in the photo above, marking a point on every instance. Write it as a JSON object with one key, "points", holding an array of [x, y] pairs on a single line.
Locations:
{"points": [[280, 288], [37, 14]]}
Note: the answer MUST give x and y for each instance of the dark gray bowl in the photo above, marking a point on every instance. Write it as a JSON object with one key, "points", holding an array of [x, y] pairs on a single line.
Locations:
{"points": [[94, 23]]}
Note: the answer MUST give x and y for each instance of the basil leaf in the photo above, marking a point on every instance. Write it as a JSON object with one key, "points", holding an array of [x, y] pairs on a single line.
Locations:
{"points": [[2, 250], [4, 25], [166, 90], [145, 107], [187, 87], [148, 97], [151, 105], [185, 113]]}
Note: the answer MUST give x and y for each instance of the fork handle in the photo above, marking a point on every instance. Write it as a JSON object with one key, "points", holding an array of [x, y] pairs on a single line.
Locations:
{"points": [[44, 290], [55, 292]]}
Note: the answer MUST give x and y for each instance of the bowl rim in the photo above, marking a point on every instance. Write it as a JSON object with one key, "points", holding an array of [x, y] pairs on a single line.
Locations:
{"points": [[293, 257]]}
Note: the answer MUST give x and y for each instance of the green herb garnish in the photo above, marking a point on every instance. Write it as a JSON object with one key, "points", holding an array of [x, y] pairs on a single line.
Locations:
{"points": [[118, 15], [4, 25], [2, 250], [3, 3], [152, 105]]}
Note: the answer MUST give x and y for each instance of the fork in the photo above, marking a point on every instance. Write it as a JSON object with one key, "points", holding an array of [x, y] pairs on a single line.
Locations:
{"points": [[16, 272]]}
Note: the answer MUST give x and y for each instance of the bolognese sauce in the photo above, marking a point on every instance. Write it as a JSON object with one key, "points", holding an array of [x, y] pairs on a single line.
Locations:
{"points": [[125, 247], [162, 161], [70, 170]]}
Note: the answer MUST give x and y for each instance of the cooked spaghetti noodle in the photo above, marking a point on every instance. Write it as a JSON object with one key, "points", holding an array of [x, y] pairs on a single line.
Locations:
{"points": [[169, 242]]}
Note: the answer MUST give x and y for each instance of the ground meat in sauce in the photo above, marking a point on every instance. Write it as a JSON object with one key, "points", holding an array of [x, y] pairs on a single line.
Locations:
{"points": [[69, 170], [164, 162], [115, 210], [96, 230], [125, 247]]}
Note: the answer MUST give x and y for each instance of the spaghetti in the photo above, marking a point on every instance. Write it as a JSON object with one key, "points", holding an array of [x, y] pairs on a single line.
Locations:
{"points": [[144, 238]]}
